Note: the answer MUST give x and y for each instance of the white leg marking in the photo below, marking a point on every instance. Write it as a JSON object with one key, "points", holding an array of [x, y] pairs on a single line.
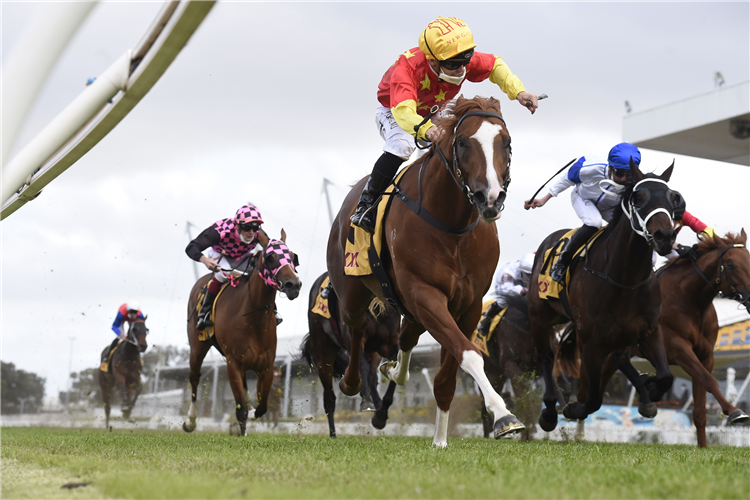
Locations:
{"points": [[473, 364], [580, 434], [192, 412], [486, 138], [400, 372], [251, 414], [441, 429]]}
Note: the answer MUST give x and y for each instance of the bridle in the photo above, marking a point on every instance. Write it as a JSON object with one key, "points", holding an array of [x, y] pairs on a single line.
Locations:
{"points": [[633, 214], [455, 171], [131, 334], [285, 258], [720, 273]]}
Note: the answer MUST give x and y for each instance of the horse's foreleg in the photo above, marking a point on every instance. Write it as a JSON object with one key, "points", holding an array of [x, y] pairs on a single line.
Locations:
{"points": [[198, 351], [699, 412], [263, 390], [621, 359], [236, 376], [106, 385], [398, 371], [366, 403], [548, 416], [351, 383], [381, 415], [372, 378], [592, 363], [444, 390], [652, 347]]}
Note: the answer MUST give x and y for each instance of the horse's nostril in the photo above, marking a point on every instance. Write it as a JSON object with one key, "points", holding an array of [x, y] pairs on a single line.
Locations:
{"points": [[479, 198]]}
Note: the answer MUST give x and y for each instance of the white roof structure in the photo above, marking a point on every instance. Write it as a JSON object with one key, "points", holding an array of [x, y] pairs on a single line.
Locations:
{"points": [[715, 126]]}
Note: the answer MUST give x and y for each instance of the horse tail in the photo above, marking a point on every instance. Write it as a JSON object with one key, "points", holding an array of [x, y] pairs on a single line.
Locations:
{"points": [[305, 351], [568, 359], [377, 307]]}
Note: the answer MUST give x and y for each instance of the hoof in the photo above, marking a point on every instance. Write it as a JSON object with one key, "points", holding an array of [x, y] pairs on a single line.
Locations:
{"points": [[507, 425], [367, 406], [349, 391], [188, 427], [377, 422], [737, 417], [575, 411], [647, 410], [548, 420]]}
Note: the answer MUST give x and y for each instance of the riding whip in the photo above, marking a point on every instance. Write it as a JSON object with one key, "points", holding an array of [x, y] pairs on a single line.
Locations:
{"points": [[542, 186], [529, 104]]}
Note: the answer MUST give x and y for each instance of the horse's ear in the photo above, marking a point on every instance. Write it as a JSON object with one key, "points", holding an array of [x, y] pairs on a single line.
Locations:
{"points": [[263, 238], [667, 173], [145, 317], [743, 236], [283, 235], [637, 174]]}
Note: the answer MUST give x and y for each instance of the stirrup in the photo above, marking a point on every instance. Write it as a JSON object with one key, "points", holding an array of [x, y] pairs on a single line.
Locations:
{"points": [[558, 273], [363, 219]]}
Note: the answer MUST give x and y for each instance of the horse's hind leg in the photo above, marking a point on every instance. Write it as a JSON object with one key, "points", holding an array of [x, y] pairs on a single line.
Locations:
{"points": [[198, 351], [652, 346], [366, 403], [263, 390], [381, 415], [106, 385], [592, 360], [445, 388], [372, 380]]}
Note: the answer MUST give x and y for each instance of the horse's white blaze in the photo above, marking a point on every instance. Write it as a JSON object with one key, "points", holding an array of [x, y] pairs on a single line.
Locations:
{"points": [[486, 138], [400, 373], [473, 364], [441, 429]]}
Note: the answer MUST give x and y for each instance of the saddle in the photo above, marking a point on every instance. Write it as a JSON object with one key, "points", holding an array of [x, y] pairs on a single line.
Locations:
{"points": [[107, 358], [549, 288], [321, 308], [477, 338], [208, 333]]}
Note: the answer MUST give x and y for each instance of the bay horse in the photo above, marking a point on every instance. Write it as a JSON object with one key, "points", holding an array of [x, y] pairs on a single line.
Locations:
{"points": [[613, 299], [512, 356], [328, 347], [245, 327], [439, 255], [715, 266], [125, 370]]}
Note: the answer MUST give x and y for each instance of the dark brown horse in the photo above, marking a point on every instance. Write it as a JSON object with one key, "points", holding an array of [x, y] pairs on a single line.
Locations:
{"points": [[245, 327], [439, 255], [614, 300], [513, 357], [715, 266], [125, 370], [328, 347]]}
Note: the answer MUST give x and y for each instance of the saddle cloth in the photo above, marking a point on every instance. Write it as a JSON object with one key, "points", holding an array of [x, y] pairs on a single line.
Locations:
{"points": [[479, 340], [104, 366], [549, 288], [209, 331], [321, 304], [358, 241]]}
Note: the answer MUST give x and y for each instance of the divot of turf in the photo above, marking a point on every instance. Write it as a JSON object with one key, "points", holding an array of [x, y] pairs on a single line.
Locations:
{"points": [[26, 480]]}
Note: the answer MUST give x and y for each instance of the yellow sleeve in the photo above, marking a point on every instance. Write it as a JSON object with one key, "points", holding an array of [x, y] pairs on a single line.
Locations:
{"points": [[407, 118], [504, 78]]}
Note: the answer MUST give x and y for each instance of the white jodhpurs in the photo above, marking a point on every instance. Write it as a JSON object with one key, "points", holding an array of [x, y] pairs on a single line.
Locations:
{"points": [[398, 141], [588, 212], [223, 262]]}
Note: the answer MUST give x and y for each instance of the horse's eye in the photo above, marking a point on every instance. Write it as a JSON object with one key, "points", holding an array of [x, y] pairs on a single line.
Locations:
{"points": [[730, 264], [461, 142]]}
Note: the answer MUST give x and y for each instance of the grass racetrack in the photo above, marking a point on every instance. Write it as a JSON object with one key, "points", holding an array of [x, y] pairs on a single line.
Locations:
{"points": [[37, 462]]}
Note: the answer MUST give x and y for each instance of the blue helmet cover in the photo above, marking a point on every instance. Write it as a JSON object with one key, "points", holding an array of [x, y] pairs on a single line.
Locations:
{"points": [[619, 156]]}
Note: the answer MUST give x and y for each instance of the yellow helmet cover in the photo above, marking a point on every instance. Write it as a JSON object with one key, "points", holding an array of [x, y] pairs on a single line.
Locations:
{"points": [[446, 37]]}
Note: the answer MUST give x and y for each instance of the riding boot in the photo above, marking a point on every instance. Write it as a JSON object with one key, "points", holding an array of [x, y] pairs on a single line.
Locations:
{"points": [[203, 316], [578, 239], [381, 176], [279, 319], [492, 311], [105, 356]]}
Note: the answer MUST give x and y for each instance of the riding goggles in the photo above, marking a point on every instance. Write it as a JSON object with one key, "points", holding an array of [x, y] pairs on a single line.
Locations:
{"points": [[252, 226], [456, 62]]}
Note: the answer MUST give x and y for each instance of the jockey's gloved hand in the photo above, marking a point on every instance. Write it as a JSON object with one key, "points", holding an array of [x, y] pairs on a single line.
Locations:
{"points": [[683, 250]]}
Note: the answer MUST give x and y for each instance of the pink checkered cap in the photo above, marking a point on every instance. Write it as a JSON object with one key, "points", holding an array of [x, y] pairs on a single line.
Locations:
{"points": [[248, 214]]}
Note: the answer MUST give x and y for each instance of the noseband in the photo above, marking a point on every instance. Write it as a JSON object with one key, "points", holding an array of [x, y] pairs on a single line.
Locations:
{"points": [[634, 216], [456, 173]]}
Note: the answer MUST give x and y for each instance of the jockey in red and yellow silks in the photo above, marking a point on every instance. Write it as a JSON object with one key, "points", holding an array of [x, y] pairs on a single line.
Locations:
{"points": [[695, 224], [421, 77]]}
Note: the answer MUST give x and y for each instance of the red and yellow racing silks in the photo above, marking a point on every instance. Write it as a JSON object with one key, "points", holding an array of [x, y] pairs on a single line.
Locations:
{"points": [[410, 87]]}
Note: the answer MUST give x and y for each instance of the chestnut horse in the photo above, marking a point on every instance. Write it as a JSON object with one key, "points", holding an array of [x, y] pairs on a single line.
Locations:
{"points": [[245, 327], [613, 298], [440, 251], [328, 347], [125, 370], [715, 266]]}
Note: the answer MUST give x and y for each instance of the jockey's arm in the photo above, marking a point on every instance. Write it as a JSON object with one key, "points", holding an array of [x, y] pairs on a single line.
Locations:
{"points": [[206, 239], [407, 118], [116, 326], [696, 225], [512, 86]]}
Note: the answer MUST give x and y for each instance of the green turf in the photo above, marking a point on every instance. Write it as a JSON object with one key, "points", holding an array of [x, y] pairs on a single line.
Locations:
{"points": [[149, 464]]}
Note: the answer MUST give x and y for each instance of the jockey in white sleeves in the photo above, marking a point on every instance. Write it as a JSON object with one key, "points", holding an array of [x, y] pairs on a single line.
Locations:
{"points": [[594, 201]]}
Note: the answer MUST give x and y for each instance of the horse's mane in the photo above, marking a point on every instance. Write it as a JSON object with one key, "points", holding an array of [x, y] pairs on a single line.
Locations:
{"points": [[707, 244], [458, 108]]}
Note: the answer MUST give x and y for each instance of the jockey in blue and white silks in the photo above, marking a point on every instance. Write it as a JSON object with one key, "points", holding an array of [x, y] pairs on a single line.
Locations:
{"points": [[594, 201]]}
